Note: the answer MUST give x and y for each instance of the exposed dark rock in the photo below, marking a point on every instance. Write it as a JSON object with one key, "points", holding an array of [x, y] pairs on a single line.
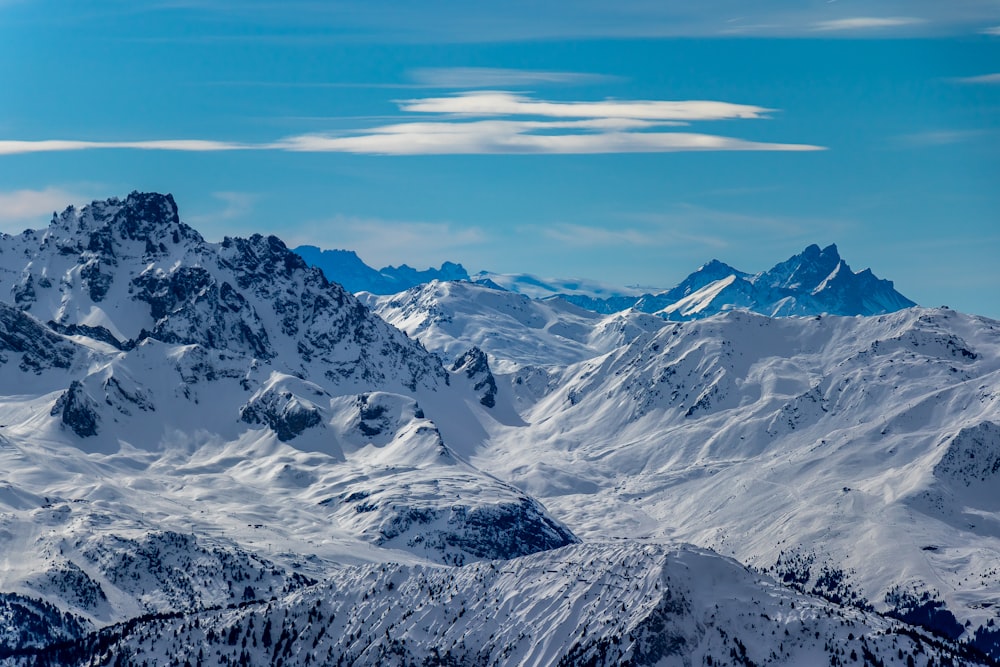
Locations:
{"points": [[372, 416], [124, 398], [973, 456], [97, 333], [151, 217], [78, 410], [475, 365], [24, 292], [492, 531], [191, 307], [97, 282], [39, 347], [283, 412]]}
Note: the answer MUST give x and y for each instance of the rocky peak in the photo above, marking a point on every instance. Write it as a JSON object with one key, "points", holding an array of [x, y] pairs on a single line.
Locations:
{"points": [[476, 367], [803, 272], [128, 270], [77, 410], [148, 217], [706, 274], [144, 214], [716, 268], [38, 347], [261, 259]]}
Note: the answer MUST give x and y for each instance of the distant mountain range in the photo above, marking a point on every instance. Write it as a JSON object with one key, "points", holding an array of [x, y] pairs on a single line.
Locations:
{"points": [[813, 282], [347, 269], [816, 281]]}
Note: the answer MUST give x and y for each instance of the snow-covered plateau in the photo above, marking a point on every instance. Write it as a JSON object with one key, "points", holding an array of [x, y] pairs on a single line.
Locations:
{"points": [[211, 454]]}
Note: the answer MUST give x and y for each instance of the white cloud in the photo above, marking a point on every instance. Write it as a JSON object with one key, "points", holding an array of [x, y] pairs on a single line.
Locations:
{"points": [[584, 236], [981, 79], [685, 219], [609, 126], [492, 77], [649, 234], [32, 207], [867, 23], [443, 21], [508, 104], [512, 137], [456, 138], [993, 30], [938, 138], [61, 145]]}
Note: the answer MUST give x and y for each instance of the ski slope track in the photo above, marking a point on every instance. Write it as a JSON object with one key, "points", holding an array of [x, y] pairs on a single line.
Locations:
{"points": [[212, 454]]}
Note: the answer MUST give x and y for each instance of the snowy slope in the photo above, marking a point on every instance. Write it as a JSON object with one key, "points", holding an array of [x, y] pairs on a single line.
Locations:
{"points": [[449, 317], [540, 288], [212, 435], [825, 447], [596, 604], [230, 398], [866, 444]]}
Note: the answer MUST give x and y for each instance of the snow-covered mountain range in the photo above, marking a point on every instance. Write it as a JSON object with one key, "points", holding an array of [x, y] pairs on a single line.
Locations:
{"points": [[213, 454], [814, 282]]}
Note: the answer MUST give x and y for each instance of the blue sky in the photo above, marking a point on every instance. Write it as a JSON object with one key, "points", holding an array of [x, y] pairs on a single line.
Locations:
{"points": [[627, 142]]}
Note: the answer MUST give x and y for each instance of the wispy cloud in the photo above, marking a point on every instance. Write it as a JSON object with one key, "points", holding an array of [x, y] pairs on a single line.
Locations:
{"points": [[249, 83], [687, 224], [607, 126], [509, 104], [512, 137], [382, 242], [20, 207], [389, 21], [8, 147], [492, 77], [728, 227], [454, 78], [574, 127], [235, 205], [992, 30], [867, 23], [981, 79], [938, 138], [584, 236]]}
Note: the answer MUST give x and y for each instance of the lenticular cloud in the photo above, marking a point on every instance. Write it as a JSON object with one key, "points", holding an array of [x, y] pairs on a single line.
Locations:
{"points": [[494, 122]]}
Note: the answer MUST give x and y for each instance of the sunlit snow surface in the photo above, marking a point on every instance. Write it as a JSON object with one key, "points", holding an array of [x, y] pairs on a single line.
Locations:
{"points": [[755, 436], [188, 426]]}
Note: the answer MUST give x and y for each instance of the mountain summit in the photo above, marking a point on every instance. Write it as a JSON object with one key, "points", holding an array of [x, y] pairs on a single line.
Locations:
{"points": [[814, 282]]}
